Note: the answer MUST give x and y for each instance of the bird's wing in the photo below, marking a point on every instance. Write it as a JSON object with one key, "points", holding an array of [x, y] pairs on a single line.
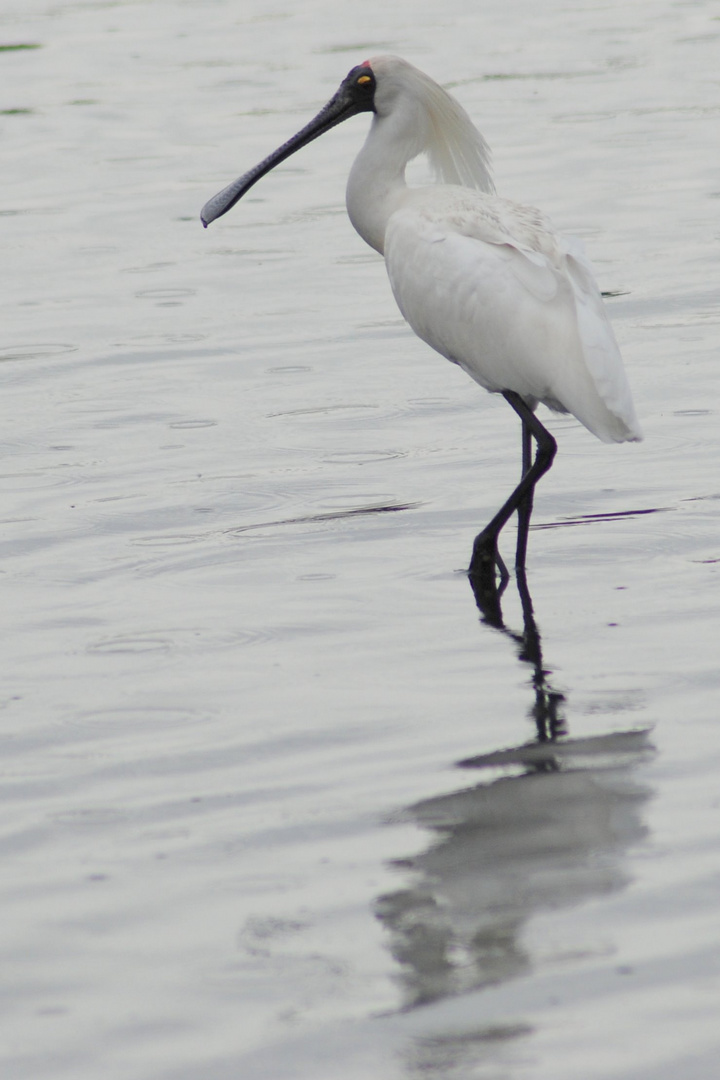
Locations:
{"points": [[472, 293], [512, 228], [489, 286], [600, 347]]}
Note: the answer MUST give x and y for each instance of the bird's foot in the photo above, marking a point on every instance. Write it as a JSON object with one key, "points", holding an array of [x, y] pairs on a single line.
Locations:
{"points": [[486, 558], [485, 565]]}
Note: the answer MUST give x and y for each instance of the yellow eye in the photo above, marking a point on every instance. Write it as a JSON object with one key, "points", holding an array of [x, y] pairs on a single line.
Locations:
{"points": [[364, 79]]}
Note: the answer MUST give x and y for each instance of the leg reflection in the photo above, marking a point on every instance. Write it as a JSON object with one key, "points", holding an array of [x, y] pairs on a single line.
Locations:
{"points": [[488, 593]]}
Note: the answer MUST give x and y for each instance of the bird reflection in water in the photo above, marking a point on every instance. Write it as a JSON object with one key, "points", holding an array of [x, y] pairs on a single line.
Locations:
{"points": [[547, 828]]}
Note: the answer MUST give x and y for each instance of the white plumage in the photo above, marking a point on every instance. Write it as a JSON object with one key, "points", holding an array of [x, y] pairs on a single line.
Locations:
{"points": [[483, 280]]}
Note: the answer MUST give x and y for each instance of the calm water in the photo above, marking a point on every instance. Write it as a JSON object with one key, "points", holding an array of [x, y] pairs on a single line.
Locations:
{"points": [[241, 663]]}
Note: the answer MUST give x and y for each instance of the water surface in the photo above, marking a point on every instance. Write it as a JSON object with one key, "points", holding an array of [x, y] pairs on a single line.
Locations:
{"points": [[241, 660]]}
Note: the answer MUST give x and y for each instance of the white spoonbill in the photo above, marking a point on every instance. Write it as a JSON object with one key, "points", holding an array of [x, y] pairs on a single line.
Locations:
{"points": [[483, 280]]}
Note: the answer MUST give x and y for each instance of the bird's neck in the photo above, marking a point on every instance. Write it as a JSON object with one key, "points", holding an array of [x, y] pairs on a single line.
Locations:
{"points": [[376, 184]]}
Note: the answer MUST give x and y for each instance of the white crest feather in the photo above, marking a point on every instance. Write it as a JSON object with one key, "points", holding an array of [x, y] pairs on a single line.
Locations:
{"points": [[457, 152]]}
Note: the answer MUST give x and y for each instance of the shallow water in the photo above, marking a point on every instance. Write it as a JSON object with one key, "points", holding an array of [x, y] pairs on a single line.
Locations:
{"points": [[242, 662]]}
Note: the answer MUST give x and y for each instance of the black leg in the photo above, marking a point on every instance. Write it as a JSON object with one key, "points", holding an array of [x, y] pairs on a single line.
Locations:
{"points": [[526, 449], [525, 508], [485, 553]]}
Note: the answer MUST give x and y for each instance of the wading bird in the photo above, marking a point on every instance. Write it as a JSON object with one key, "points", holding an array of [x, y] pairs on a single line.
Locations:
{"points": [[483, 280]]}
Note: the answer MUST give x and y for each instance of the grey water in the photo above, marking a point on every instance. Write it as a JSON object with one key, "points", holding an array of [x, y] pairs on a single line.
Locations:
{"points": [[278, 801]]}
